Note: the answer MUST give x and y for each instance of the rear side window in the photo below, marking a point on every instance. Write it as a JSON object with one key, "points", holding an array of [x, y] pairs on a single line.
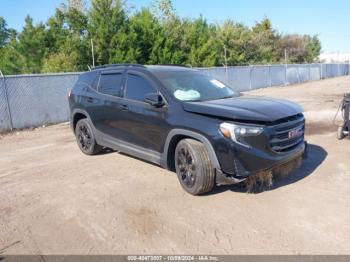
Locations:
{"points": [[111, 84], [137, 87], [88, 79]]}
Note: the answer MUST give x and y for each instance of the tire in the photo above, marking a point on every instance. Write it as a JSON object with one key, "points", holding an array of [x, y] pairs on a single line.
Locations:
{"points": [[340, 134], [86, 138], [193, 167]]}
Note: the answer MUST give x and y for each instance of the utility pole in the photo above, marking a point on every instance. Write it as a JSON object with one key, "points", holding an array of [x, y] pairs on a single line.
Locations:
{"points": [[285, 67], [285, 55], [92, 53], [225, 53], [226, 73]]}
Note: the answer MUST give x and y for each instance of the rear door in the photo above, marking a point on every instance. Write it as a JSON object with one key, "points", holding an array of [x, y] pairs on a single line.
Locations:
{"points": [[142, 124], [107, 116]]}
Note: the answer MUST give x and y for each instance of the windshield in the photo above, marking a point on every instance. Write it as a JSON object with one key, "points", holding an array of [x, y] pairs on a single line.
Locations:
{"points": [[194, 86]]}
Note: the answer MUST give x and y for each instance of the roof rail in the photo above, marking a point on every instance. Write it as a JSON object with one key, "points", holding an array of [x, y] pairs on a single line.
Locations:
{"points": [[179, 65], [117, 65]]}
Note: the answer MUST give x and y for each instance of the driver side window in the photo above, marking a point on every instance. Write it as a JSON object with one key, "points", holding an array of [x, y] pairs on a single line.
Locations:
{"points": [[137, 87]]}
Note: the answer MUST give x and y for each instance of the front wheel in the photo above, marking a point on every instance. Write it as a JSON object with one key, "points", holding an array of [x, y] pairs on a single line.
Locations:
{"points": [[86, 138], [193, 167]]}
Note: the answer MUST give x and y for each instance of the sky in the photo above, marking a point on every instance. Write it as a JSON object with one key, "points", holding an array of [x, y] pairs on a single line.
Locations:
{"points": [[327, 19]]}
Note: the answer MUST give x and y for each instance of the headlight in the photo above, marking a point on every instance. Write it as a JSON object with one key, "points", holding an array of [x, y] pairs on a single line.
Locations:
{"points": [[238, 132]]}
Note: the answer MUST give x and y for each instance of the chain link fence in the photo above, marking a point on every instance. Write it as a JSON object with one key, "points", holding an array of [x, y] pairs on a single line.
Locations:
{"points": [[245, 78], [35, 100]]}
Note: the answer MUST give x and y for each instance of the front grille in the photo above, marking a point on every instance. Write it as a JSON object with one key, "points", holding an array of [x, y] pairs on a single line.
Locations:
{"points": [[281, 141]]}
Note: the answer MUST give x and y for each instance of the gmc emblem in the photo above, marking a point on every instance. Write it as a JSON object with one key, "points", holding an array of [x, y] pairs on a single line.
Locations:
{"points": [[295, 133]]}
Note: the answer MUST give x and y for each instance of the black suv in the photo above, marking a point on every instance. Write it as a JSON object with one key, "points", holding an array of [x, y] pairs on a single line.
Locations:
{"points": [[184, 121]]}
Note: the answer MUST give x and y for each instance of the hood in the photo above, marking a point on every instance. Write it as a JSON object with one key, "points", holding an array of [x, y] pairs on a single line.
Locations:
{"points": [[245, 108]]}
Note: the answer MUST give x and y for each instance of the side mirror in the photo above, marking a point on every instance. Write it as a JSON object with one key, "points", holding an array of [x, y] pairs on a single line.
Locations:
{"points": [[154, 99]]}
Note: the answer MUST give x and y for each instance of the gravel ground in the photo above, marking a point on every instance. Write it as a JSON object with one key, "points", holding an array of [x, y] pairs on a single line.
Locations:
{"points": [[55, 200]]}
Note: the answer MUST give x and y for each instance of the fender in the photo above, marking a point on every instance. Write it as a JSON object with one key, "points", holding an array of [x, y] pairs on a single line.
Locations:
{"points": [[197, 136], [78, 111]]}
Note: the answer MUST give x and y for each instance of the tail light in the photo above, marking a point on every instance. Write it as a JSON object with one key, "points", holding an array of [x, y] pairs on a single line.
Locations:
{"points": [[69, 93]]}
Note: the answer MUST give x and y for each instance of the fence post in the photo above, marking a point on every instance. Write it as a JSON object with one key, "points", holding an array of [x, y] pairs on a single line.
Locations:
{"points": [[298, 74], [309, 72], [285, 74], [270, 78], [250, 77], [7, 101]]}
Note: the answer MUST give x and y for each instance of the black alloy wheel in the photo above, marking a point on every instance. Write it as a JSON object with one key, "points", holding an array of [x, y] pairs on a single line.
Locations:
{"points": [[85, 138]]}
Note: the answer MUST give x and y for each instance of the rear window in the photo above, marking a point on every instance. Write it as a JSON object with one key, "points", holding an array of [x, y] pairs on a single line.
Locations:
{"points": [[111, 84], [89, 79]]}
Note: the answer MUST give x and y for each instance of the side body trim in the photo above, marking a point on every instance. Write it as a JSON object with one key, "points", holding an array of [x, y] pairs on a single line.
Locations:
{"points": [[128, 148]]}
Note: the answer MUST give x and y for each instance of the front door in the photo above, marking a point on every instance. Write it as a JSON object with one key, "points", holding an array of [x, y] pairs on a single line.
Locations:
{"points": [[142, 124]]}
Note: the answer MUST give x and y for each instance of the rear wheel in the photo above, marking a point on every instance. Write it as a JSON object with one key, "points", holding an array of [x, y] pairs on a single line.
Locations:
{"points": [[86, 138], [340, 133], [193, 167]]}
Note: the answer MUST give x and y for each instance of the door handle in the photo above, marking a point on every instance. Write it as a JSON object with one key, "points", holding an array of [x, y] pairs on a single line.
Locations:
{"points": [[90, 100], [124, 107]]}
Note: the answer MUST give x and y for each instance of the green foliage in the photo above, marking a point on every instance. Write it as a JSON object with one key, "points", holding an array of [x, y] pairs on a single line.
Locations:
{"points": [[263, 41], [312, 48], [154, 35], [60, 62], [298, 48], [31, 46], [4, 32], [10, 62], [106, 21]]}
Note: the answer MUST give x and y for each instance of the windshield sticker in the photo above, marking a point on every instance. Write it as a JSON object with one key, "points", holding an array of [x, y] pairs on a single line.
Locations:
{"points": [[185, 95], [217, 83]]}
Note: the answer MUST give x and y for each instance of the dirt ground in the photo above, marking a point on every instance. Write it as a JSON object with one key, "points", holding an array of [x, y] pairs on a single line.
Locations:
{"points": [[55, 200]]}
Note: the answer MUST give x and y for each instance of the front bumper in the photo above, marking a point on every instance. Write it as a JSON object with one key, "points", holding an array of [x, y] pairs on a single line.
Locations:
{"points": [[237, 165]]}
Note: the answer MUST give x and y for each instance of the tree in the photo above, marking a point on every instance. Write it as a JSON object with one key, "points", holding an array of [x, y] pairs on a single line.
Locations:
{"points": [[11, 61], [155, 35], [143, 32], [163, 10], [299, 48], [60, 62], [236, 38], [106, 20], [79, 5], [31, 46], [313, 48], [167, 48], [199, 43], [263, 42], [4, 32], [66, 34], [56, 32]]}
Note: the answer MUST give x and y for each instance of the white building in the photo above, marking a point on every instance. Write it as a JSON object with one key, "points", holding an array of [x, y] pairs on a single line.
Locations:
{"points": [[335, 57]]}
